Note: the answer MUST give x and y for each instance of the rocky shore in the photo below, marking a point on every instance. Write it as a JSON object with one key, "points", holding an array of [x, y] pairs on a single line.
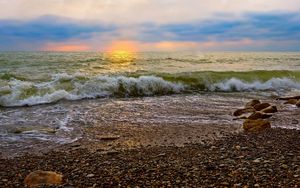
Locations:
{"points": [[268, 159]]}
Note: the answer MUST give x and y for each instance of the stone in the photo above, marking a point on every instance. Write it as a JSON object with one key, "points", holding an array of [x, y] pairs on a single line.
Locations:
{"points": [[291, 101], [259, 115], [244, 148], [237, 185], [38, 178], [294, 121], [239, 112], [261, 106], [298, 103], [252, 103], [90, 175], [284, 166], [256, 160], [161, 155], [256, 125], [270, 109], [225, 183]]}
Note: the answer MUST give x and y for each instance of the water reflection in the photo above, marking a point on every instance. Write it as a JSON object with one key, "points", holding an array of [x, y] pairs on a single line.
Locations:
{"points": [[117, 61], [123, 57]]}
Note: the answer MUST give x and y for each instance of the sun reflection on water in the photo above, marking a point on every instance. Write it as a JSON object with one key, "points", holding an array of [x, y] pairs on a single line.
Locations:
{"points": [[119, 61], [121, 57]]}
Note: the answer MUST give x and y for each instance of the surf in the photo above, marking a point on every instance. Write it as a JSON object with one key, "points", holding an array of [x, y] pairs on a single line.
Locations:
{"points": [[79, 86]]}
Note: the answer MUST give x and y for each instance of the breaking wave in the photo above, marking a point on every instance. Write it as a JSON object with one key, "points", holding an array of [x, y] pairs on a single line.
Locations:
{"points": [[273, 84], [21, 93], [75, 87]]}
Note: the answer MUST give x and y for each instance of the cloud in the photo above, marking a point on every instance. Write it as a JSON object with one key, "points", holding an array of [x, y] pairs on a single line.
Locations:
{"points": [[141, 11], [272, 26], [49, 27], [44, 29], [251, 30]]}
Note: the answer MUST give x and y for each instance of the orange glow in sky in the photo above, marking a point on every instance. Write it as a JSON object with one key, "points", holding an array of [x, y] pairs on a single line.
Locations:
{"points": [[122, 46], [122, 51]]}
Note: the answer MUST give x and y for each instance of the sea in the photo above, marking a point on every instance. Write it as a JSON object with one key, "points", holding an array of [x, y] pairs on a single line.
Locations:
{"points": [[49, 98]]}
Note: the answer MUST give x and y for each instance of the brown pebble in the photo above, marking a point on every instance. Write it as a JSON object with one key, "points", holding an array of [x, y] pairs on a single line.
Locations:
{"points": [[270, 109], [38, 178], [261, 106], [239, 112], [259, 115], [252, 103], [291, 101], [256, 125]]}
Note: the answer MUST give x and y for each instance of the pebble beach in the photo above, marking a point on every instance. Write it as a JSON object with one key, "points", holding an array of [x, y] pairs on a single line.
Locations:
{"points": [[268, 159]]}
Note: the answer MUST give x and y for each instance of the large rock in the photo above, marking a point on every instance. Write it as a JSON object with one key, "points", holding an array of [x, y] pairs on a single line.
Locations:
{"points": [[259, 115], [260, 106], [252, 103], [239, 112], [256, 125], [291, 101], [38, 178], [270, 109]]}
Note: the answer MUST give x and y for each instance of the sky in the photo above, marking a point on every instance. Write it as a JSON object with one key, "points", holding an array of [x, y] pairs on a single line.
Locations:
{"points": [[149, 25]]}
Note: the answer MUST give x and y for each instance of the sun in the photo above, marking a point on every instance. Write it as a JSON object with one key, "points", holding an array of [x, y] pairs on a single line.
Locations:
{"points": [[122, 46], [122, 51]]}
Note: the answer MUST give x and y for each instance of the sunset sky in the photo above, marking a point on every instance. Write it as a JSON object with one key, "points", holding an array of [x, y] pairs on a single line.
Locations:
{"points": [[149, 25]]}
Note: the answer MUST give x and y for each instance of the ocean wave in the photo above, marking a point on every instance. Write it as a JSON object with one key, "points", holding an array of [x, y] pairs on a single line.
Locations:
{"points": [[76, 87], [69, 87], [273, 84]]}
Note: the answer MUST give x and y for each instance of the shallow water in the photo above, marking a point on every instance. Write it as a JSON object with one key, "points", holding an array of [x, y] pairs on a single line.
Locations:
{"points": [[40, 128]]}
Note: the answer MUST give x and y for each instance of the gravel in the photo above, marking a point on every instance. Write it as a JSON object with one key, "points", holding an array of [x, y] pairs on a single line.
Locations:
{"points": [[267, 159]]}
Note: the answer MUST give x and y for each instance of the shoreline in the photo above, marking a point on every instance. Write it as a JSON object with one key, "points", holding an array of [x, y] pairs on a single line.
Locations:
{"points": [[167, 141], [164, 121], [108, 124], [268, 159]]}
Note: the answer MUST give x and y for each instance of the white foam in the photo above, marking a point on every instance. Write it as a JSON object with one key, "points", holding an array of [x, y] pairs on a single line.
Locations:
{"points": [[80, 87], [100, 86], [274, 84]]}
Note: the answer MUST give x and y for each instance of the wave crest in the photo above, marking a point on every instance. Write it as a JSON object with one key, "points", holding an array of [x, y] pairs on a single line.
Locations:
{"points": [[273, 84], [74, 88]]}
